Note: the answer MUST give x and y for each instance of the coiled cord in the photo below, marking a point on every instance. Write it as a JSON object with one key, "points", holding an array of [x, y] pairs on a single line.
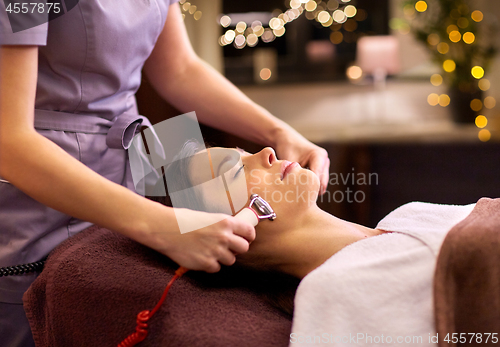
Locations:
{"points": [[141, 330], [22, 269]]}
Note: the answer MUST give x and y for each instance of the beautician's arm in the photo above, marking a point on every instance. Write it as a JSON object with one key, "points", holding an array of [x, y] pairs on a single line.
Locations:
{"points": [[48, 174], [188, 83]]}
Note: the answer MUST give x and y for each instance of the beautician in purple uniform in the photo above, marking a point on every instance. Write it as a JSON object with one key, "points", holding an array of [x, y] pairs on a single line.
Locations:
{"points": [[67, 115]]}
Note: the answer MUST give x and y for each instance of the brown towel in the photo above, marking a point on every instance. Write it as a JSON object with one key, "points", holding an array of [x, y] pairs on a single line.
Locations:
{"points": [[94, 285], [467, 278]]}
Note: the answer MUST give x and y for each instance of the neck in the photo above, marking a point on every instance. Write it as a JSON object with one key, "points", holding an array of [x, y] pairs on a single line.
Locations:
{"points": [[311, 240]]}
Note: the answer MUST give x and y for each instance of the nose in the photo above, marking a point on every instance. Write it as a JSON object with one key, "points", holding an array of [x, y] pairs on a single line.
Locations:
{"points": [[267, 157]]}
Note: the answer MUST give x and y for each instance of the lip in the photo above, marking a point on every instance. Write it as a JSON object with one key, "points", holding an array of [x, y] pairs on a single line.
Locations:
{"points": [[286, 167]]}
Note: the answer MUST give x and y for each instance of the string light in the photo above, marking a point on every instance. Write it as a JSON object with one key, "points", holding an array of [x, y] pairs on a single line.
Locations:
{"points": [[331, 13]]}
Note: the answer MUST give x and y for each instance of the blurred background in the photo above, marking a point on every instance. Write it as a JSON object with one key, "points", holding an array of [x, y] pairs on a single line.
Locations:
{"points": [[402, 93]]}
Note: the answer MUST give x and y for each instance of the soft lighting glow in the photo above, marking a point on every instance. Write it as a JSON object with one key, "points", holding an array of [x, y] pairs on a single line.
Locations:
{"points": [[477, 16], [436, 80], [469, 37], [225, 21], [421, 6], [433, 99], [350, 11], [455, 36], [484, 84], [197, 15], [443, 47], [477, 72], [490, 102], [192, 9], [354, 72], [444, 100], [476, 105], [265, 74], [481, 121], [449, 65], [433, 39], [484, 135], [186, 6]]}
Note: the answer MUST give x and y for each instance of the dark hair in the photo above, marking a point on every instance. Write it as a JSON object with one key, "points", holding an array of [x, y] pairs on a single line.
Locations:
{"points": [[276, 288]]}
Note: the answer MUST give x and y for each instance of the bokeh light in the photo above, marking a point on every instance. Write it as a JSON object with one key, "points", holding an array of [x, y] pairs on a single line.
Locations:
{"points": [[469, 37], [336, 37], [265, 74], [311, 5], [455, 36], [477, 16], [436, 80], [451, 27], [350, 11], [354, 72], [433, 39], [433, 99], [477, 72], [463, 22], [490, 102], [443, 47], [421, 6], [481, 121], [444, 100], [225, 21], [484, 84], [449, 65], [484, 135], [476, 105]]}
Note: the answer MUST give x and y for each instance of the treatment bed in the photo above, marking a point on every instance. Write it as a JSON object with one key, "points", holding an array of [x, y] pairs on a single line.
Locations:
{"points": [[96, 282]]}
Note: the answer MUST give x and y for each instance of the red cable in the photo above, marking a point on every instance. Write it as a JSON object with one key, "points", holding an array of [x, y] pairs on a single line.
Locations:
{"points": [[141, 330]]}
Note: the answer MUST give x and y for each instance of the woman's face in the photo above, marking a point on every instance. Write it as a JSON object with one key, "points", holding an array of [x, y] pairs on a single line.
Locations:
{"points": [[286, 186]]}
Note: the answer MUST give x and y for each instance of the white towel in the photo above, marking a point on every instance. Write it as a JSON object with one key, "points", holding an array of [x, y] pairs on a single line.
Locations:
{"points": [[378, 291]]}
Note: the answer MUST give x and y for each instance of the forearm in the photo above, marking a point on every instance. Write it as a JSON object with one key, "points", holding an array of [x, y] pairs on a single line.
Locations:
{"points": [[48, 174]]}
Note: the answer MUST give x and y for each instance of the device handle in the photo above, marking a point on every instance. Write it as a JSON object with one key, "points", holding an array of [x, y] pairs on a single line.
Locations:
{"points": [[248, 215]]}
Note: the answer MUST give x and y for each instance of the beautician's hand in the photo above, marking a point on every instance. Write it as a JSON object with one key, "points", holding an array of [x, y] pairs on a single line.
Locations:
{"points": [[294, 147], [206, 248]]}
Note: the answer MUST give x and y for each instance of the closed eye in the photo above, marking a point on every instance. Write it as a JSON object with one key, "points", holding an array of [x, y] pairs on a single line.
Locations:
{"points": [[239, 170]]}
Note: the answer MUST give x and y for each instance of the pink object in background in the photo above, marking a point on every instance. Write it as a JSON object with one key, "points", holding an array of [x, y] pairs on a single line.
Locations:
{"points": [[378, 56]]}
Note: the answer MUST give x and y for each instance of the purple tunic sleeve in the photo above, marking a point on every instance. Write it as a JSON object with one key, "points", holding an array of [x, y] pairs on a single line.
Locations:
{"points": [[34, 36]]}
